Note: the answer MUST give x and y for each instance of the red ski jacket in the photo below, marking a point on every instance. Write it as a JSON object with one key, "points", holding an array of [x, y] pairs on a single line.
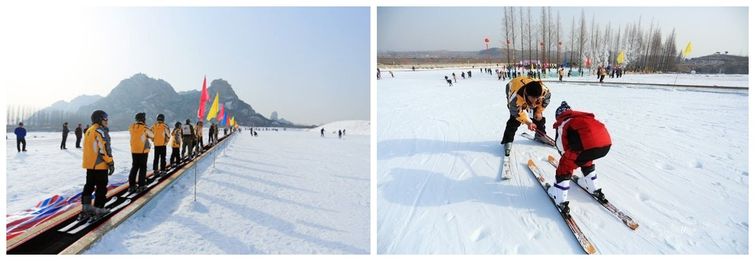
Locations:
{"points": [[576, 132]]}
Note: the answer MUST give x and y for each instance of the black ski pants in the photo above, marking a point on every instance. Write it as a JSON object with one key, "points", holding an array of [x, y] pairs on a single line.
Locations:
{"points": [[175, 156], [19, 142], [96, 182], [159, 158], [138, 164], [513, 124]]}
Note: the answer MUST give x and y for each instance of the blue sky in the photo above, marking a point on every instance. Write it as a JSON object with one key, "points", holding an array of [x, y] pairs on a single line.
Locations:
{"points": [[311, 65], [710, 29]]}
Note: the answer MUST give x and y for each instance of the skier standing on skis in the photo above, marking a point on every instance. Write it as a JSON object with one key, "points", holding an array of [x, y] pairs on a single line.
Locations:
{"points": [[140, 136], [187, 139], [175, 154], [162, 136], [525, 96], [97, 159], [580, 139], [198, 137]]}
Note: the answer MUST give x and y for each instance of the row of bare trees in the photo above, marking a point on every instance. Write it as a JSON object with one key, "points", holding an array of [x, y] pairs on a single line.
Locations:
{"points": [[34, 118], [586, 45]]}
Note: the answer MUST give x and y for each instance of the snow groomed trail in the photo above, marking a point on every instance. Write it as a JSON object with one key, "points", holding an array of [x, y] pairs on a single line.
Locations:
{"points": [[678, 166], [289, 192]]}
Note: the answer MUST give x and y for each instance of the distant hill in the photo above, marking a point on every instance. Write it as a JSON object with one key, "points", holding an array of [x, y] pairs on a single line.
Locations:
{"points": [[717, 63], [140, 93], [74, 105]]}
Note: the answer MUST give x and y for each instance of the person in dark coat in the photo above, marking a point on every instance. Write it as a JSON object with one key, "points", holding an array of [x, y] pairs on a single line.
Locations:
{"points": [[78, 133], [65, 136], [20, 137]]}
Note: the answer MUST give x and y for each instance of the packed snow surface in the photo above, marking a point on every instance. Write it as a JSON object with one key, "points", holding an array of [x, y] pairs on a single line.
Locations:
{"points": [[288, 192], [355, 127], [678, 166]]}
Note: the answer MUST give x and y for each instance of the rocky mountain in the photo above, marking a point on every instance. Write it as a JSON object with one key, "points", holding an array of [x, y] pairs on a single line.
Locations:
{"points": [[140, 93]]}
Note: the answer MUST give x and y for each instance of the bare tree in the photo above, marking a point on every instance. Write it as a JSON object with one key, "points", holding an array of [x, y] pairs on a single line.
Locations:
{"points": [[506, 29], [521, 30], [571, 44], [582, 38], [529, 31]]}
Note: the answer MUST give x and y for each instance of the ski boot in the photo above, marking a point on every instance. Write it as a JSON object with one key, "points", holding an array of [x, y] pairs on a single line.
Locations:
{"points": [[87, 211], [598, 194], [507, 148], [564, 208], [141, 189], [100, 212], [131, 189], [559, 193]]}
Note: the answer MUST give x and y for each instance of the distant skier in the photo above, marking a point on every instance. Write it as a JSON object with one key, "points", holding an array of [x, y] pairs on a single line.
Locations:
{"points": [[78, 133], [140, 145], [322, 132], [525, 95], [187, 140], [450, 83], [413, 68], [561, 74], [251, 132], [98, 161], [601, 73], [344, 132], [211, 134], [339, 134], [65, 136], [391, 72], [378, 73], [454, 75], [175, 154], [463, 75], [215, 138], [20, 132], [162, 137], [199, 136], [580, 139], [469, 74]]}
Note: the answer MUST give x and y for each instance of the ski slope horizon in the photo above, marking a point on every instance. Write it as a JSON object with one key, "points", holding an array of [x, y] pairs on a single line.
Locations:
{"points": [[678, 166]]}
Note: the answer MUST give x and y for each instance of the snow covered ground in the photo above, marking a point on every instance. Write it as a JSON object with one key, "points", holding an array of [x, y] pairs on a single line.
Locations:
{"points": [[289, 192], [351, 127], [736, 80], [678, 166]]}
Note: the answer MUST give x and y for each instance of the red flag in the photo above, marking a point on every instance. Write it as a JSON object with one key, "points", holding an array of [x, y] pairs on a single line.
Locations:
{"points": [[203, 99], [221, 113]]}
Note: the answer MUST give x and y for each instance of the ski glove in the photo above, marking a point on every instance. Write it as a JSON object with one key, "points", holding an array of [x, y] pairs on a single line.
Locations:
{"points": [[111, 169], [532, 126]]}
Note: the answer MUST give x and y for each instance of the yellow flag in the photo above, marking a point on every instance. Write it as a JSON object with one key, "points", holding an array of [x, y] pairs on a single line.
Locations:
{"points": [[233, 120], [214, 109], [620, 58], [687, 50]]}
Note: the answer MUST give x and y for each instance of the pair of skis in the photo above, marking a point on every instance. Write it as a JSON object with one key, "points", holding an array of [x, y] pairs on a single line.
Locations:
{"points": [[584, 242], [624, 218], [81, 223]]}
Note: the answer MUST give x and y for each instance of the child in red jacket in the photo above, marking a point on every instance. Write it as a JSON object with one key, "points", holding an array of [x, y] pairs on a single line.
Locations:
{"points": [[580, 139]]}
